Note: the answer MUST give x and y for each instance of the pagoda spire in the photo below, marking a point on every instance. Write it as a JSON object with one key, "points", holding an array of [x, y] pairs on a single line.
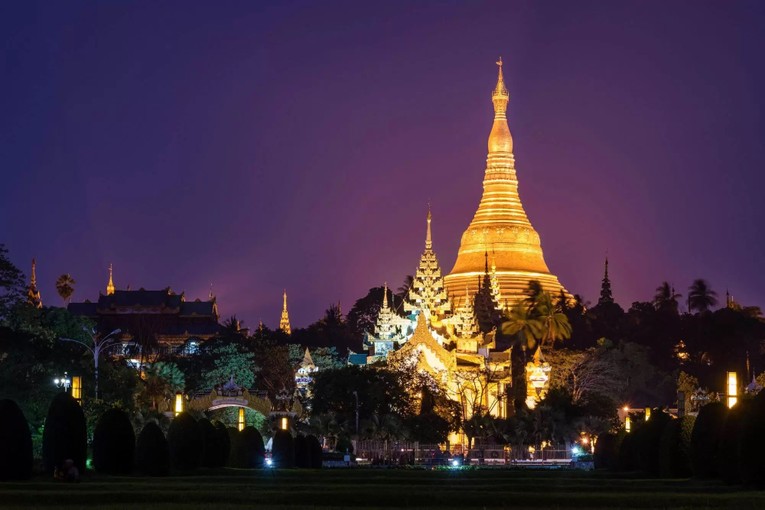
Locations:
{"points": [[110, 285], [385, 296], [284, 323], [428, 237], [605, 288], [500, 223], [33, 294]]}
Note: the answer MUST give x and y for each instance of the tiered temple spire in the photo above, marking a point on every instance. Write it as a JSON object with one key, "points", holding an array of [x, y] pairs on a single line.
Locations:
{"points": [[284, 322], [33, 294], [110, 284], [500, 224], [605, 288], [427, 292]]}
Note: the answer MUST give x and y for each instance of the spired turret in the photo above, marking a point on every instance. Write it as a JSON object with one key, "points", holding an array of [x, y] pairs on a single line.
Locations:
{"points": [[500, 224]]}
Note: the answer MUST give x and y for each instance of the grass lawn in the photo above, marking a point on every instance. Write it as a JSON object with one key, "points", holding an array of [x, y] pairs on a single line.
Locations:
{"points": [[372, 488]]}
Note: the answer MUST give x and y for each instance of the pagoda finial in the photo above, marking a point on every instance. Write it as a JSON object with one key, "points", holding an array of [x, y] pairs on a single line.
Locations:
{"points": [[284, 323], [110, 285], [33, 294], [428, 237], [33, 276], [605, 288], [500, 96], [385, 296]]}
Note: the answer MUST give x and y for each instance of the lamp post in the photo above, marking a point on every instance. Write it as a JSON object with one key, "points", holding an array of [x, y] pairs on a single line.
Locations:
{"points": [[63, 382], [98, 344]]}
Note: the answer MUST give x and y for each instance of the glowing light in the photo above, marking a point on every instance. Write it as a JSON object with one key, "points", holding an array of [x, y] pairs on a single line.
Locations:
{"points": [[647, 413], [178, 403], [585, 440], [627, 424], [576, 450], [269, 462], [77, 388], [284, 423], [626, 409], [241, 422], [732, 389]]}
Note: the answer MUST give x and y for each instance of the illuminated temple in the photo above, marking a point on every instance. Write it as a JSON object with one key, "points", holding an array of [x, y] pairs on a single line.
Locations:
{"points": [[500, 226]]}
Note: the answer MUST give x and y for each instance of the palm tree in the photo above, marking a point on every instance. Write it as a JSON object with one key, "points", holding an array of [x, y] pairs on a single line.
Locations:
{"points": [[666, 297], [555, 325], [533, 292], [403, 291], [523, 323], [701, 297], [65, 287]]}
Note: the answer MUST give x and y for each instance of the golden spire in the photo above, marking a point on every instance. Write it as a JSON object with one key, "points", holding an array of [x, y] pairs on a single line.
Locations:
{"points": [[428, 238], [284, 323], [385, 296], [500, 223], [33, 295], [110, 285]]}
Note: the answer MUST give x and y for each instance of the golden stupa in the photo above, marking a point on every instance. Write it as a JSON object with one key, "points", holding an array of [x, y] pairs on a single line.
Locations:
{"points": [[500, 227]]}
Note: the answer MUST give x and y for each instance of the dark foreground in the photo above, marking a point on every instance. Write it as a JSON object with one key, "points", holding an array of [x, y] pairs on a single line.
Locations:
{"points": [[370, 488]]}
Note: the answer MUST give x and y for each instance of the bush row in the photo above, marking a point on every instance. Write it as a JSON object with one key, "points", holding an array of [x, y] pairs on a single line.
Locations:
{"points": [[728, 444]]}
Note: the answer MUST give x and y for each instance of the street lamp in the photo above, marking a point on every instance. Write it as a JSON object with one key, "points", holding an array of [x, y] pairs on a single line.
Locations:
{"points": [[98, 344], [63, 382]]}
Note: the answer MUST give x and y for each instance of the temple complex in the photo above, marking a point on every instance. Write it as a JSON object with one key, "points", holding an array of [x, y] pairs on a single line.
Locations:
{"points": [[284, 322], [500, 225]]}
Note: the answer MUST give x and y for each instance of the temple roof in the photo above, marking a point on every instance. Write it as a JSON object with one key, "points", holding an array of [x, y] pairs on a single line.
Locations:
{"points": [[152, 301]]}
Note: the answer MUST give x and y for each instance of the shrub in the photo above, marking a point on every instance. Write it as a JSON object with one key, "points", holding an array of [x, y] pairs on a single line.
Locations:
{"points": [[283, 449], [152, 451], [186, 442], [235, 455], [705, 439], [316, 452], [675, 445], [344, 445], [607, 450], [302, 452], [649, 442], [222, 444], [211, 451], [728, 443], [252, 452], [64, 436], [628, 456], [751, 445], [15, 443], [114, 443]]}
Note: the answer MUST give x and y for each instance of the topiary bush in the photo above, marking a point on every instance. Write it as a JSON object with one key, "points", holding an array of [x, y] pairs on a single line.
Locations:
{"points": [[729, 440], [186, 442], [64, 436], [235, 455], [15, 443], [705, 439], [316, 451], [649, 443], [114, 443], [211, 451], [252, 452], [607, 450], [751, 445], [283, 449], [221, 444], [675, 445], [302, 452], [152, 451]]}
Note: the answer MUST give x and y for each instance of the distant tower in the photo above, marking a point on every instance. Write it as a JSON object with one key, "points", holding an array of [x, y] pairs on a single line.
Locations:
{"points": [[284, 323], [33, 295], [110, 285], [605, 288], [427, 292], [500, 224]]}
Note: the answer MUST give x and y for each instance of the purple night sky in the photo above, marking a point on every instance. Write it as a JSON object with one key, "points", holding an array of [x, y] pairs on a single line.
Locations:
{"points": [[261, 145]]}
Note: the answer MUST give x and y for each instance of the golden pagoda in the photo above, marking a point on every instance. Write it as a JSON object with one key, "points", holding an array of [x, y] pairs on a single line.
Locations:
{"points": [[500, 224], [110, 284], [284, 322]]}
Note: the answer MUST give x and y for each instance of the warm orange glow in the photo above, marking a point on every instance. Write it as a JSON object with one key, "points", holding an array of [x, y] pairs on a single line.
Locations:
{"points": [[647, 413], [626, 409], [627, 424], [178, 403], [241, 423], [732, 389], [77, 388], [285, 423]]}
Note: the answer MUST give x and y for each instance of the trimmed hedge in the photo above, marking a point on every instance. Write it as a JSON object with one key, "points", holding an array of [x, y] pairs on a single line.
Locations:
{"points": [[114, 443], [235, 454], [283, 449], [15, 443], [728, 442], [607, 450], [252, 452], [705, 439], [211, 452], [65, 434], [675, 446], [649, 443], [222, 445], [627, 460], [316, 451], [186, 441], [302, 452], [751, 445], [152, 451]]}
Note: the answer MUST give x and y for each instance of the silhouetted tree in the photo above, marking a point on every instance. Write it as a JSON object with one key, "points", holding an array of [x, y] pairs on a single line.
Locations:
{"points": [[701, 297]]}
